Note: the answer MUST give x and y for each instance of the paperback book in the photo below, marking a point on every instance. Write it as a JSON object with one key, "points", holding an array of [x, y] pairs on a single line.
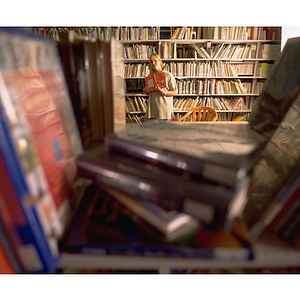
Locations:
{"points": [[102, 227], [152, 80]]}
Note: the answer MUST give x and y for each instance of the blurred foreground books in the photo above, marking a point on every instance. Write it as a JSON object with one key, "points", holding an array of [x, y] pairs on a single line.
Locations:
{"points": [[39, 142], [103, 226]]}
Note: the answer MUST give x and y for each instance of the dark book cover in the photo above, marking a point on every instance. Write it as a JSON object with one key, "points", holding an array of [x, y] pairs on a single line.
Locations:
{"points": [[280, 90], [101, 226], [212, 204], [277, 170], [223, 153]]}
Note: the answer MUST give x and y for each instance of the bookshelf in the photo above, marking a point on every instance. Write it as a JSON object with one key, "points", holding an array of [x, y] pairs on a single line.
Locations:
{"points": [[270, 252], [226, 74]]}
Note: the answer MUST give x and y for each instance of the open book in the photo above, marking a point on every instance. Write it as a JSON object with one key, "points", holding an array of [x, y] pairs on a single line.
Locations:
{"points": [[159, 78]]}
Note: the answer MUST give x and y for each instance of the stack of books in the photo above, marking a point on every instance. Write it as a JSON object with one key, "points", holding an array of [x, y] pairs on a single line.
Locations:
{"points": [[188, 190]]}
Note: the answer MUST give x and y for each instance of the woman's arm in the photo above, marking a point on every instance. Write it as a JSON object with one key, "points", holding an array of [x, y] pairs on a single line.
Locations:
{"points": [[163, 92]]}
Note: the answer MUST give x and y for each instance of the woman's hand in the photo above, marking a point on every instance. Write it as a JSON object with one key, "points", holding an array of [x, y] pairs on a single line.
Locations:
{"points": [[159, 90], [145, 90]]}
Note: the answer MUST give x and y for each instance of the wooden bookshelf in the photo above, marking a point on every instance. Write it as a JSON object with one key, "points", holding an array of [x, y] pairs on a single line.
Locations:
{"points": [[181, 60], [142, 40], [270, 252]]}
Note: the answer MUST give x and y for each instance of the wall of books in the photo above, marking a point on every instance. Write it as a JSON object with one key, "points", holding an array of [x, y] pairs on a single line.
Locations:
{"points": [[224, 67]]}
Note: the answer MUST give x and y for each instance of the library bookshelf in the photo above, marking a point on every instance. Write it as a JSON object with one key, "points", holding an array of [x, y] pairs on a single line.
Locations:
{"points": [[224, 67], [227, 75], [270, 253]]}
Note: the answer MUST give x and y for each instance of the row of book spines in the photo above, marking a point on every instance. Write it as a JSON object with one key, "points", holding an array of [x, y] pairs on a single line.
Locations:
{"points": [[218, 103], [212, 86], [228, 33], [269, 51], [134, 119], [138, 104], [193, 69], [263, 69], [103, 33], [138, 51], [168, 51], [151, 32], [223, 117], [135, 104]]}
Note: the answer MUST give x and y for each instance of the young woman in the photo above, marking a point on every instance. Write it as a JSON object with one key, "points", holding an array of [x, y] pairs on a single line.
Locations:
{"points": [[160, 101]]}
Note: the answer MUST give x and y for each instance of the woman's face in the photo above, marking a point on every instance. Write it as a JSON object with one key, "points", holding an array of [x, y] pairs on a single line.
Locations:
{"points": [[155, 64]]}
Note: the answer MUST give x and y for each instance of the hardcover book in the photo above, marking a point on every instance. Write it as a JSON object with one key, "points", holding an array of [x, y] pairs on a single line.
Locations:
{"points": [[39, 139], [213, 204], [277, 172], [169, 225], [222, 153], [152, 80], [100, 226], [280, 90]]}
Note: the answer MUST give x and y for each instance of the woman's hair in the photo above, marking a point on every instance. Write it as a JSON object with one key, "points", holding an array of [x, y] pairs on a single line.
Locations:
{"points": [[156, 56]]}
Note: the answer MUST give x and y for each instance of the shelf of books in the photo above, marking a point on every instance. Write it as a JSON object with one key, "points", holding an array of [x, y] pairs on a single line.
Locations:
{"points": [[227, 74]]}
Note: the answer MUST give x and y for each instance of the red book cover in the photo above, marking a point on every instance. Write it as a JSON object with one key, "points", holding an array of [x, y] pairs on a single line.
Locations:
{"points": [[159, 78]]}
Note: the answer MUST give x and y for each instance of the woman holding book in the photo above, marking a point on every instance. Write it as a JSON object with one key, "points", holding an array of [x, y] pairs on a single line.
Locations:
{"points": [[161, 90]]}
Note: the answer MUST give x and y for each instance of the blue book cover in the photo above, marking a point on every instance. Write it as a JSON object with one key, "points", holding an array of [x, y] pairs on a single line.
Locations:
{"points": [[39, 141]]}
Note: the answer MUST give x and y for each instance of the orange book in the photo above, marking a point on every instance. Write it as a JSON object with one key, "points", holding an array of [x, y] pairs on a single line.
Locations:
{"points": [[159, 78]]}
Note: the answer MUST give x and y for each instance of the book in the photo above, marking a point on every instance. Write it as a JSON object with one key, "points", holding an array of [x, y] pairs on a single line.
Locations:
{"points": [[279, 91], [39, 139], [277, 170], [101, 227], [5, 264], [172, 225], [223, 153], [152, 80], [215, 205], [9, 263], [287, 195]]}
